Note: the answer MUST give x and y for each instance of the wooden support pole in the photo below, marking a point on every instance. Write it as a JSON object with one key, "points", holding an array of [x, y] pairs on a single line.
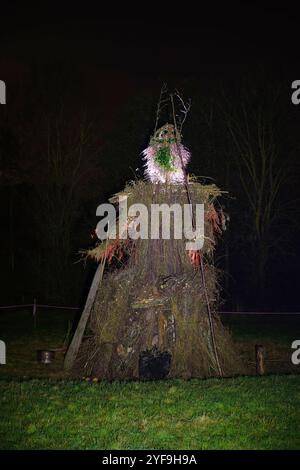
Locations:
{"points": [[77, 338], [34, 312], [260, 359]]}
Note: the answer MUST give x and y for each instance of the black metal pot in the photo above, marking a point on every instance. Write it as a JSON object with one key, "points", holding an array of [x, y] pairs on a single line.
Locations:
{"points": [[154, 365]]}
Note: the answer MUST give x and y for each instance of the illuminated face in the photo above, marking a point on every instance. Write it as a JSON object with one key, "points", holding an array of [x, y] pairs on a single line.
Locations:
{"points": [[166, 157], [166, 133]]}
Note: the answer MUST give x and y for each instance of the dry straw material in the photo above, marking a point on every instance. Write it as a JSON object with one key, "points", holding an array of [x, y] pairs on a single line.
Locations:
{"points": [[154, 299]]}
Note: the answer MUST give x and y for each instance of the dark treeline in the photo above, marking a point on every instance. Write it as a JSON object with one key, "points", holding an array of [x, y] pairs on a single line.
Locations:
{"points": [[72, 132]]}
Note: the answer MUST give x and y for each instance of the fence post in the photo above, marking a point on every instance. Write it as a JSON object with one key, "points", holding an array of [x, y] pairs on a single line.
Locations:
{"points": [[260, 359], [34, 311]]}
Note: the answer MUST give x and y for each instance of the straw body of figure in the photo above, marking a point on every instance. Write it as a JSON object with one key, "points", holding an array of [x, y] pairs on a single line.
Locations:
{"points": [[156, 302]]}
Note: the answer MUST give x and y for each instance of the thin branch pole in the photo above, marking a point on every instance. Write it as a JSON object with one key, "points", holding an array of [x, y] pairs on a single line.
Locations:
{"points": [[211, 325], [185, 109], [77, 338], [160, 104]]}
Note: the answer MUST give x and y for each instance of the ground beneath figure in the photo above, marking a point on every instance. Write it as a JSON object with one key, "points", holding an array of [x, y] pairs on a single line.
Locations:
{"points": [[23, 338], [54, 412]]}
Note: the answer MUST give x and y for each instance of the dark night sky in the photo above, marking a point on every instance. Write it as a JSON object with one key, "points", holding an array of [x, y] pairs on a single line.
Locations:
{"points": [[132, 46], [166, 39]]}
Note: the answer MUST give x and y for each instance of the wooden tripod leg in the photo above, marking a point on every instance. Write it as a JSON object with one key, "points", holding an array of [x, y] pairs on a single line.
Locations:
{"points": [[77, 338]]}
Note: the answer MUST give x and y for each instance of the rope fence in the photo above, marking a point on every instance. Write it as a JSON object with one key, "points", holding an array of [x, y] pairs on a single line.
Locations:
{"points": [[35, 306], [259, 313], [261, 360]]}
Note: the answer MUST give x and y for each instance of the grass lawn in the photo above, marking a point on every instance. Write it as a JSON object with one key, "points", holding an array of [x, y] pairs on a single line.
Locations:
{"points": [[241, 413], [52, 412]]}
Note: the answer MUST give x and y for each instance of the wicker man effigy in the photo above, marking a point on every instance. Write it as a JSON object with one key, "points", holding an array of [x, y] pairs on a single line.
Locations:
{"points": [[153, 315]]}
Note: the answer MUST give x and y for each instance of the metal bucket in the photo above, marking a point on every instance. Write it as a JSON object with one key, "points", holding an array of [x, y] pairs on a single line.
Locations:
{"points": [[45, 356]]}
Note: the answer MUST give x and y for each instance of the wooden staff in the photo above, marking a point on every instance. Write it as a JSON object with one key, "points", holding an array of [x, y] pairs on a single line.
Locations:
{"points": [[211, 325]]}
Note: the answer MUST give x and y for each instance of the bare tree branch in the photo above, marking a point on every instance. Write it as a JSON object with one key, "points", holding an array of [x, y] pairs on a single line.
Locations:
{"points": [[185, 108], [162, 103]]}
